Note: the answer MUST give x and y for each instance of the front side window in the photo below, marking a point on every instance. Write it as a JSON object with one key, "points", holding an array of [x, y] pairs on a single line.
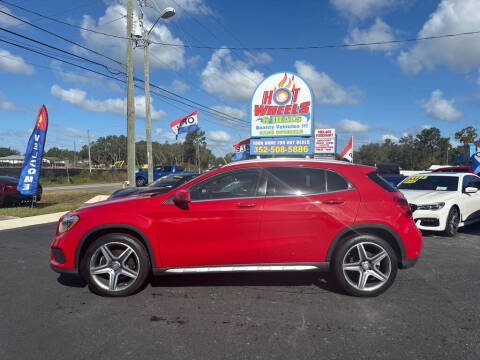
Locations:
{"points": [[228, 185], [284, 181], [470, 181], [167, 168]]}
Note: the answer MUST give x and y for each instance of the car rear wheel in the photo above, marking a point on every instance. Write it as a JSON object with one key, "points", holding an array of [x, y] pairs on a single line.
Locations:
{"points": [[453, 220], [365, 265], [140, 181], [116, 265]]}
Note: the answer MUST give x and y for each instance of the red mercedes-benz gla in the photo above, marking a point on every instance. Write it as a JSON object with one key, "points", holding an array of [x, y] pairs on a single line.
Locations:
{"points": [[255, 215]]}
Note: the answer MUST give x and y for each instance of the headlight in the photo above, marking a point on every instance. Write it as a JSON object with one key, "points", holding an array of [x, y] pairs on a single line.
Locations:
{"points": [[434, 206], [67, 223]]}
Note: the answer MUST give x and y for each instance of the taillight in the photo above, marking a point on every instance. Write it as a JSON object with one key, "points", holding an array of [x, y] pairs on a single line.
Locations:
{"points": [[403, 205], [10, 187]]}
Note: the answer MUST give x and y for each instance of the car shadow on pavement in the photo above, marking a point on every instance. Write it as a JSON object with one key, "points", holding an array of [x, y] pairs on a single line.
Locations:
{"points": [[72, 280], [323, 281]]}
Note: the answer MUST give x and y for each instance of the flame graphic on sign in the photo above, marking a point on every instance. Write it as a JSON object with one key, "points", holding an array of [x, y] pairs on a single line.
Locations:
{"points": [[40, 120], [284, 80]]}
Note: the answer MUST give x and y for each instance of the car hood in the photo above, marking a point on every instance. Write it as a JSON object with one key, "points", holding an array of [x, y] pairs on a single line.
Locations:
{"points": [[428, 196], [129, 197]]}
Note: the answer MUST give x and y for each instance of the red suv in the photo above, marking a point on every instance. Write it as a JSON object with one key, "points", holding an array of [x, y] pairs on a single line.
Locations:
{"points": [[255, 215]]}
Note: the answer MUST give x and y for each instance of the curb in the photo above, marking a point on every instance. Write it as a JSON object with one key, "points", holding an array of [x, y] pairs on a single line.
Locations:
{"points": [[30, 220]]}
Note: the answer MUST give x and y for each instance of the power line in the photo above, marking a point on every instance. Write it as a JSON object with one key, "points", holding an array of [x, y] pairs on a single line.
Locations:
{"points": [[58, 49], [107, 68], [164, 97], [62, 37], [260, 48]]}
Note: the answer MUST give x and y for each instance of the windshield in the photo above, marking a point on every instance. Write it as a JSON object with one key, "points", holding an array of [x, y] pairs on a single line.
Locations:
{"points": [[172, 180], [425, 182]]}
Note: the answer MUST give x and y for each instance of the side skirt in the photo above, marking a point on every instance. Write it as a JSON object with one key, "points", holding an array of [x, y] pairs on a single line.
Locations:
{"points": [[269, 267]]}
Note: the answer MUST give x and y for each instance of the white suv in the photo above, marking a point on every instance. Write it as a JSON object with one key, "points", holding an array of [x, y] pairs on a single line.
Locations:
{"points": [[443, 201]]}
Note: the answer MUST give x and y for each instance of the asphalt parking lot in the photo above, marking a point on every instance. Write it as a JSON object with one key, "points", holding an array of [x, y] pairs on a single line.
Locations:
{"points": [[431, 312]]}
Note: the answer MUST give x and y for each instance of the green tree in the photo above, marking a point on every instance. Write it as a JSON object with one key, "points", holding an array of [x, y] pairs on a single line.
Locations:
{"points": [[4, 151], [466, 135]]}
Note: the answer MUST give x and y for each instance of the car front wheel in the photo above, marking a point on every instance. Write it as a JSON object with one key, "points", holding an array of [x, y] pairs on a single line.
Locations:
{"points": [[141, 181], [453, 220], [365, 265], [116, 265]]}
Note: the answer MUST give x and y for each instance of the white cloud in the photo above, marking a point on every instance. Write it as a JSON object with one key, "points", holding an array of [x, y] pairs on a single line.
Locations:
{"points": [[179, 86], [360, 8], [441, 109], [461, 53], [184, 7], [117, 106], [259, 58], [347, 125], [326, 90], [389, 137], [219, 137], [14, 64], [164, 134], [164, 57], [238, 113], [228, 77], [378, 32], [6, 20], [7, 105], [86, 78]]}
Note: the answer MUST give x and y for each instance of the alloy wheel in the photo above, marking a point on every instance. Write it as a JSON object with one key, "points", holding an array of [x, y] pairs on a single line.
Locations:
{"points": [[366, 266], [114, 266]]}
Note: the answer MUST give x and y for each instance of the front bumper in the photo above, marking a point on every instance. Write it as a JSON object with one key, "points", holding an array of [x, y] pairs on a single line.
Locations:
{"points": [[431, 220]]}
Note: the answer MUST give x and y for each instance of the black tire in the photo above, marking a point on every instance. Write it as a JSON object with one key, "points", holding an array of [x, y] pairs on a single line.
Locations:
{"points": [[140, 181], [453, 219], [136, 264], [349, 276]]}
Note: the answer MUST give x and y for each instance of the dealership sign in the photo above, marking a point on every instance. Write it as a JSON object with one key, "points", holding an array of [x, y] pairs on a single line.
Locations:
{"points": [[293, 145], [325, 142], [282, 105]]}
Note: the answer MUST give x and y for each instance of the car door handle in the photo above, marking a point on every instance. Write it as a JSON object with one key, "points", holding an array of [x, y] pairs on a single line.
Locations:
{"points": [[246, 205], [334, 202]]}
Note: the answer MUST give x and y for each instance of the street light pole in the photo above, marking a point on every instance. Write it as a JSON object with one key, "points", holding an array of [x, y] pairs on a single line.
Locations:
{"points": [[167, 13], [148, 119], [130, 99]]}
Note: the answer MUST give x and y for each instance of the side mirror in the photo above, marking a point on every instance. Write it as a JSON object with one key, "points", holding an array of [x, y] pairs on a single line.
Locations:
{"points": [[182, 198], [471, 190]]}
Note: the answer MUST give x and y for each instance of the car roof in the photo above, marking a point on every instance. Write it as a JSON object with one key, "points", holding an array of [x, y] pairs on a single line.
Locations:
{"points": [[8, 178], [287, 160], [442, 174]]}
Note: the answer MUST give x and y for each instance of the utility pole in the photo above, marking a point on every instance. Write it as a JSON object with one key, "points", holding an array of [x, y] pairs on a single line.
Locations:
{"points": [[130, 99], [167, 13], [89, 158], [146, 75], [74, 152]]}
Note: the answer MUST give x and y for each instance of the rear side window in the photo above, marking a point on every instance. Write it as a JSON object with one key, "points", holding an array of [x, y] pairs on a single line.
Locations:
{"points": [[283, 181], [335, 182], [377, 179], [167, 168], [179, 168]]}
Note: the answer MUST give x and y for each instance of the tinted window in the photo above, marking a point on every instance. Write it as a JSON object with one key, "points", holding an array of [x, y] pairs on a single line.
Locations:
{"points": [[232, 184], [295, 181], [167, 168], [335, 182], [425, 182], [178, 168], [470, 181], [382, 182]]}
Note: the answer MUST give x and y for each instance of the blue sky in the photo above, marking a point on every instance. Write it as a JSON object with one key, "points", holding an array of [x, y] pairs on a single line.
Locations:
{"points": [[368, 92]]}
